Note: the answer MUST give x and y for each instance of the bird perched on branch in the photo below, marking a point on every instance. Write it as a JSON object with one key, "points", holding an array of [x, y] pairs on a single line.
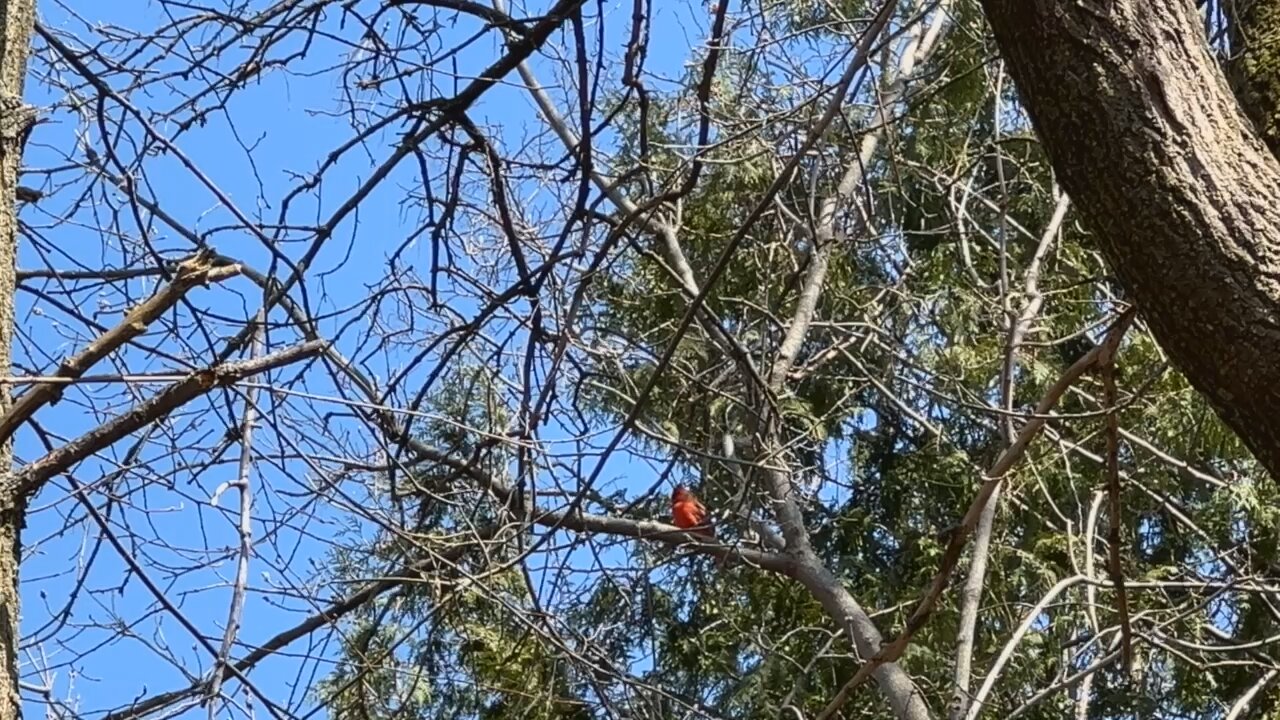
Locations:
{"points": [[687, 513]]}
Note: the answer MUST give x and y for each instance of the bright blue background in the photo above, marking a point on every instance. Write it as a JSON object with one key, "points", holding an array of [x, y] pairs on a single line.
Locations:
{"points": [[291, 123]]}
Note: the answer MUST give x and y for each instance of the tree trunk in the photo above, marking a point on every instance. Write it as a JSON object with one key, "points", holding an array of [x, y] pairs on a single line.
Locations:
{"points": [[16, 18], [1148, 140], [1254, 69]]}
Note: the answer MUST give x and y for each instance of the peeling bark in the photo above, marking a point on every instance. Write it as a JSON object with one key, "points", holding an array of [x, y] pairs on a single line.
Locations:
{"points": [[1148, 140]]}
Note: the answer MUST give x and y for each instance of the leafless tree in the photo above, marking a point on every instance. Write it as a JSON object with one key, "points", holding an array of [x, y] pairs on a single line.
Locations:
{"points": [[326, 313]]}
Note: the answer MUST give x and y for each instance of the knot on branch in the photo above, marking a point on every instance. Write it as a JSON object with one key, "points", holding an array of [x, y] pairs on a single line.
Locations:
{"points": [[16, 116]]}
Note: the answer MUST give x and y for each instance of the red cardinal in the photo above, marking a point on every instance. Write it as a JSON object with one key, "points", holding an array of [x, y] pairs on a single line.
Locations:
{"points": [[689, 514]]}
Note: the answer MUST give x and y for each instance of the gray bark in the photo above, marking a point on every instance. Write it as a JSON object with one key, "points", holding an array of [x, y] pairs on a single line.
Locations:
{"points": [[16, 18]]}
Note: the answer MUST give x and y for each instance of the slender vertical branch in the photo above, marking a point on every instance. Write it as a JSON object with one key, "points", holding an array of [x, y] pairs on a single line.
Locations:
{"points": [[1114, 529], [975, 581], [244, 527]]}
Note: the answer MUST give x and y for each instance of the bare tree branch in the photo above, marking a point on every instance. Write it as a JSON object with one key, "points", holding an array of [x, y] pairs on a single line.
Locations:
{"points": [[197, 270], [33, 476], [1095, 358]]}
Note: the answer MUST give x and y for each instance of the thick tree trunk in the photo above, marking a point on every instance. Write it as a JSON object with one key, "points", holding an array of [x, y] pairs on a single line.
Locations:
{"points": [[1151, 145], [16, 18]]}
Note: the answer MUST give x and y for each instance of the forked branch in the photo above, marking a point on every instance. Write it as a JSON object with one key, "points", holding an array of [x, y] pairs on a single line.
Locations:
{"points": [[199, 269], [1099, 357]]}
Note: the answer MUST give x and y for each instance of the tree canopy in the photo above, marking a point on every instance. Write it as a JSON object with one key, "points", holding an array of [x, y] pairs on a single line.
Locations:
{"points": [[358, 346]]}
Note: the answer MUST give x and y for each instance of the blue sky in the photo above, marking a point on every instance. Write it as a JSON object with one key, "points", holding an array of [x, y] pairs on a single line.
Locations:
{"points": [[290, 123], [285, 122]]}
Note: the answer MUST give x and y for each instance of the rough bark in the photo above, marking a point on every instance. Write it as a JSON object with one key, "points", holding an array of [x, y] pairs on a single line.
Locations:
{"points": [[16, 18], [1148, 140], [1254, 68]]}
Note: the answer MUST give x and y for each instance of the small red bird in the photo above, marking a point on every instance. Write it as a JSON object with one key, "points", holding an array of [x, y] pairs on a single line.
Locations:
{"points": [[689, 514]]}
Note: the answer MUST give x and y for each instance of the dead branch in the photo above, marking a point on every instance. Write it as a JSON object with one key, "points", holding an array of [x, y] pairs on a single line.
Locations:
{"points": [[244, 528], [196, 270]]}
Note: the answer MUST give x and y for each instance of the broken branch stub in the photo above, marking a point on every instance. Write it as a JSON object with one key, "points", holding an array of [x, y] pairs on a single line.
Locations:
{"points": [[195, 270]]}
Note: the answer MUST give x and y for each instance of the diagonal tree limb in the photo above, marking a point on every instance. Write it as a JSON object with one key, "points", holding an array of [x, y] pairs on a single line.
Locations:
{"points": [[1100, 356], [330, 614], [1120, 94], [921, 43], [798, 563], [808, 570], [140, 572], [444, 109], [1240, 708], [835, 599], [1029, 618], [199, 269], [579, 522], [31, 478]]}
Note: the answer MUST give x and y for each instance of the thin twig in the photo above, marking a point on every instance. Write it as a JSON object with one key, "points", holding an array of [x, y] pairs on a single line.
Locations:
{"points": [[244, 529], [1100, 354]]}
